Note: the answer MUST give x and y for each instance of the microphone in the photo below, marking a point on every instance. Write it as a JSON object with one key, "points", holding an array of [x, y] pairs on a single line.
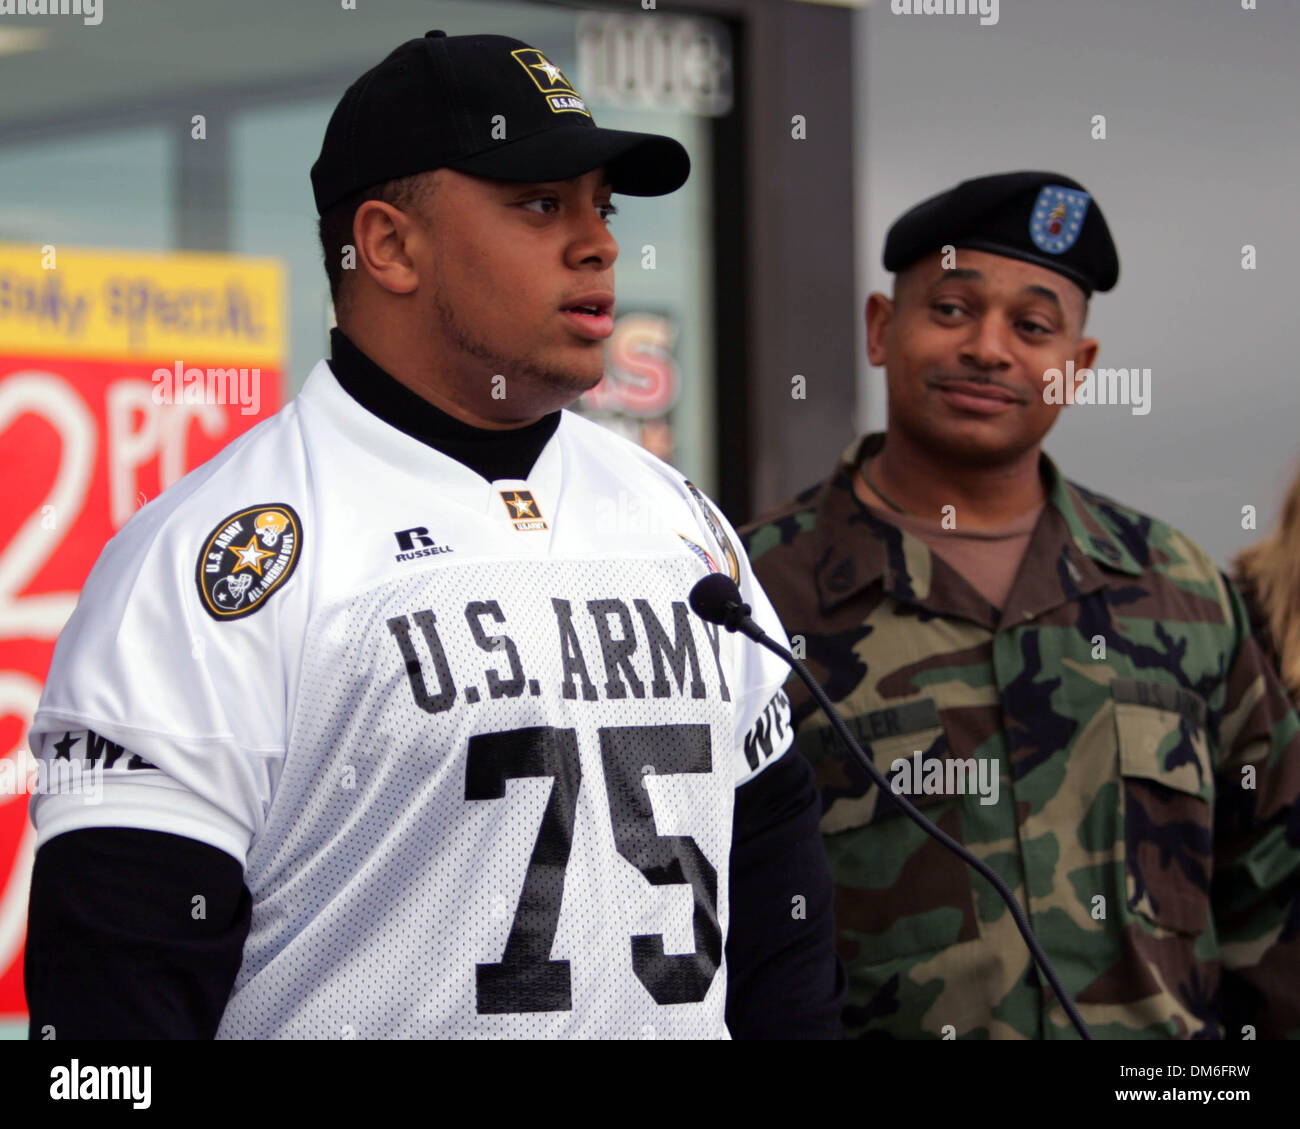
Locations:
{"points": [[716, 599]]}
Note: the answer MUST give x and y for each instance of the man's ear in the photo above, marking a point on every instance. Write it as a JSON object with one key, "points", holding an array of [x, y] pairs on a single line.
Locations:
{"points": [[381, 231], [879, 314], [1085, 353]]}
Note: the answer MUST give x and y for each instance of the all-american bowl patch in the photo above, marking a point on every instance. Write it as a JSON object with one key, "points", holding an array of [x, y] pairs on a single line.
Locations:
{"points": [[246, 558], [701, 552], [719, 533]]}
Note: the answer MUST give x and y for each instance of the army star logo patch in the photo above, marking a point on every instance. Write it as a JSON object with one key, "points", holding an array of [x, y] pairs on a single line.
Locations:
{"points": [[522, 507], [561, 95], [552, 72]]}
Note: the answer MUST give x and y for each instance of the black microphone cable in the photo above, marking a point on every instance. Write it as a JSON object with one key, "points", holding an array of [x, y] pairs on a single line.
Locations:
{"points": [[717, 600]]}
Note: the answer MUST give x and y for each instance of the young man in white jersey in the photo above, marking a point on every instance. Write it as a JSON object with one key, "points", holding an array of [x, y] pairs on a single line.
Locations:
{"points": [[436, 745]]}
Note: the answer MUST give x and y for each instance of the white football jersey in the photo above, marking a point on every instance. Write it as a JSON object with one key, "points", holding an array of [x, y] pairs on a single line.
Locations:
{"points": [[475, 752]]}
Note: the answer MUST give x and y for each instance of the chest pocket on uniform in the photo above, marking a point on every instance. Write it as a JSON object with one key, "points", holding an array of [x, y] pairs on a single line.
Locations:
{"points": [[898, 893], [1168, 788]]}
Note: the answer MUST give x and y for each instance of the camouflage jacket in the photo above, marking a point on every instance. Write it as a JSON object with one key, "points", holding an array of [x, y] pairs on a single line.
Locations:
{"points": [[1114, 745]]}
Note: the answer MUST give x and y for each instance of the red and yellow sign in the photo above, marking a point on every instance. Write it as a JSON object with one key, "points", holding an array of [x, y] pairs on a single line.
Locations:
{"points": [[119, 373]]}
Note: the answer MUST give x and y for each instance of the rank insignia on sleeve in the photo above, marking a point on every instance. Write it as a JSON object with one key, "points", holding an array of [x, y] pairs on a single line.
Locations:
{"points": [[247, 557], [719, 533]]}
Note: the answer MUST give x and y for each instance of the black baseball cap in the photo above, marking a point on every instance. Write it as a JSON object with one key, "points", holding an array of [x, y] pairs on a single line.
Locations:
{"points": [[1039, 217], [486, 105]]}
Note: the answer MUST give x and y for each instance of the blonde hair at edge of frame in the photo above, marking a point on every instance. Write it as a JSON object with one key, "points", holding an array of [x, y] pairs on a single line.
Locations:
{"points": [[1272, 568]]}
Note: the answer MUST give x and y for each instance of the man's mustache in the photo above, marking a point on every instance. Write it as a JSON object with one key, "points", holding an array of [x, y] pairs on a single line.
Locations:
{"points": [[1012, 391]]}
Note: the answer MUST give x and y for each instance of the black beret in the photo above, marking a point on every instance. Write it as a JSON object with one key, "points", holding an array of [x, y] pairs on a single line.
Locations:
{"points": [[1040, 217]]}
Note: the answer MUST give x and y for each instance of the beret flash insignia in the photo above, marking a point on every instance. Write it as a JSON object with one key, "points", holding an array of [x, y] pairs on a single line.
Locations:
{"points": [[1057, 218]]}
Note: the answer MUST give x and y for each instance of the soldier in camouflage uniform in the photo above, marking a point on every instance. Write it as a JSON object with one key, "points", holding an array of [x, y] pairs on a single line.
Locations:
{"points": [[1067, 686]]}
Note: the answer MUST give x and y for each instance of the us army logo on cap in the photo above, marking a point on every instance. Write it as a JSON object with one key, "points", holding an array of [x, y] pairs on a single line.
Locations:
{"points": [[1057, 218], [560, 93], [246, 558], [524, 514], [719, 533]]}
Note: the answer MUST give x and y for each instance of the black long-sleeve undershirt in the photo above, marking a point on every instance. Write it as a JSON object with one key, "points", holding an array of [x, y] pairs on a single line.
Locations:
{"points": [[784, 980], [117, 945]]}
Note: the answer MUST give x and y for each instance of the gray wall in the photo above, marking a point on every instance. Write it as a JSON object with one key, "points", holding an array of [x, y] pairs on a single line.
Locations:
{"points": [[1202, 102]]}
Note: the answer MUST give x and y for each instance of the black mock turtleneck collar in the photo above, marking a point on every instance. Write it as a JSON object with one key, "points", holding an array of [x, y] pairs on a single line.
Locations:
{"points": [[492, 454]]}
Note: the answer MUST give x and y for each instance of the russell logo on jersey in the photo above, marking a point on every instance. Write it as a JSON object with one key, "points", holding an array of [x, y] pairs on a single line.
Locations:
{"points": [[415, 543]]}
